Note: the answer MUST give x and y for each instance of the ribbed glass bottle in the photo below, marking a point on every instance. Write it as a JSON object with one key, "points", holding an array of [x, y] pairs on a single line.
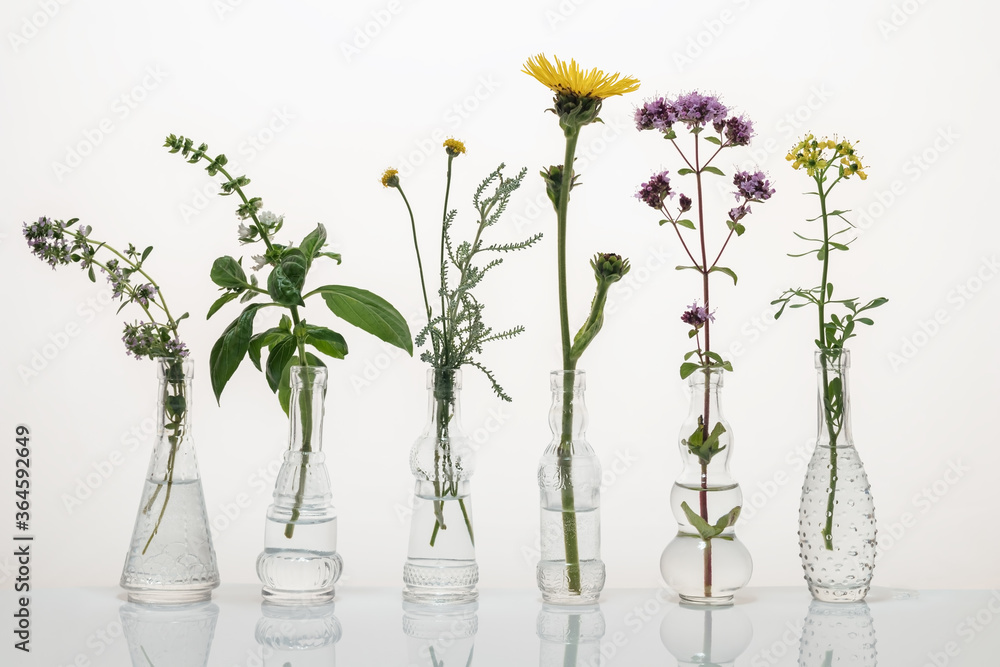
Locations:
{"points": [[570, 570], [441, 559], [300, 563]]}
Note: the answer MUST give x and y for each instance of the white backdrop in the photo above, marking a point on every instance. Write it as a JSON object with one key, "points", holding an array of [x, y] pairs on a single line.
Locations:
{"points": [[313, 100]]}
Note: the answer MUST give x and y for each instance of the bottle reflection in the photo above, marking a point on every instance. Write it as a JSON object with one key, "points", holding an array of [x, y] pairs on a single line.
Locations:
{"points": [[710, 637], [298, 636], [440, 635], [571, 636], [169, 635], [838, 634]]}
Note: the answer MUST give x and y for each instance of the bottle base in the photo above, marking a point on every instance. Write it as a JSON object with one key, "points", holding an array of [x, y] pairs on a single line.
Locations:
{"points": [[273, 596], [170, 597], [434, 582], [824, 594], [696, 601], [554, 582]]}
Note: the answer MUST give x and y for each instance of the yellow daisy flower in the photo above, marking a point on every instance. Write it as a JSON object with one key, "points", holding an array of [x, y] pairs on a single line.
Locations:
{"points": [[570, 79], [390, 178]]}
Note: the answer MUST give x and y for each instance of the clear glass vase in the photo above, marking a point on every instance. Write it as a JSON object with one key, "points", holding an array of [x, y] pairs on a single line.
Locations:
{"points": [[171, 559], [706, 563], [300, 563], [570, 570], [441, 559], [836, 511]]}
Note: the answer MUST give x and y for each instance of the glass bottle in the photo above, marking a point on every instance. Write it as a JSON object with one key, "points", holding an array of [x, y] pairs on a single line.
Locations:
{"points": [[441, 559], [300, 563], [836, 511], [570, 570], [706, 563], [171, 559]]}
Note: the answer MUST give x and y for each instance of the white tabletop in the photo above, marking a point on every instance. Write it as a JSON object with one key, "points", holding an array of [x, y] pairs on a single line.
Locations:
{"points": [[96, 627]]}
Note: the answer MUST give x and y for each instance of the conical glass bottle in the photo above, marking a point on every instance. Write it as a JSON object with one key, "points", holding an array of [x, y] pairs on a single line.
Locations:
{"points": [[570, 570], [300, 563], [836, 512], [441, 560], [171, 559], [706, 563]]}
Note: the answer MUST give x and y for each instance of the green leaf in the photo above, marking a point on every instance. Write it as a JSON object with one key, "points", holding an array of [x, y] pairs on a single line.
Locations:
{"points": [[175, 405], [313, 243], [258, 341], [326, 341], [728, 366], [686, 223], [740, 229], [90, 274], [332, 255], [681, 268], [713, 170], [722, 269], [704, 529], [690, 354], [713, 140], [145, 254], [368, 312], [226, 272], [727, 520], [284, 284], [229, 350], [281, 351], [865, 320], [687, 369], [684, 171], [220, 302], [714, 356]]}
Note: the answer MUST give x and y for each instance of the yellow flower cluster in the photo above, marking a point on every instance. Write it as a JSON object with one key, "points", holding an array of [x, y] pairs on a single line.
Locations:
{"points": [[454, 147], [809, 153], [570, 79]]}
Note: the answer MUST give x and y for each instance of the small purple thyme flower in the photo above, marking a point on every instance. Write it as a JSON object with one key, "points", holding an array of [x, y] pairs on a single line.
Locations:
{"points": [[695, 109], [739, 130], [145, 292], [655, 191], [754, 187], [740, 212], [176, 348], [697, 316], [47, 241], [655, 115]]}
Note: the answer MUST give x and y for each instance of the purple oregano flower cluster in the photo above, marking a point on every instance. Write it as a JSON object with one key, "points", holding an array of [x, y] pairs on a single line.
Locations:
{"points": [[697, 316], [695, 111]]}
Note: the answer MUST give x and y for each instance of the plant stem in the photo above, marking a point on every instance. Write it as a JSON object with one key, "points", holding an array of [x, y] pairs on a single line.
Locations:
{"points": [[416, 247], [305, 416], [570, 541], [444, 286], [825, 401], [175, 440], [706, 428]]}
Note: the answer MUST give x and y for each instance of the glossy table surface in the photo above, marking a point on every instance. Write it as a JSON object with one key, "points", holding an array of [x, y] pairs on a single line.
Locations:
{"points": [[96, 627]]}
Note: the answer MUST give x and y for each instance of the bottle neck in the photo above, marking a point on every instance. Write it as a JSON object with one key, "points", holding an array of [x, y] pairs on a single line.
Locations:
{"points": [[443, 405], [173, 399], [833, 405], [306, 408], [568, 414], [706, 403]]}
